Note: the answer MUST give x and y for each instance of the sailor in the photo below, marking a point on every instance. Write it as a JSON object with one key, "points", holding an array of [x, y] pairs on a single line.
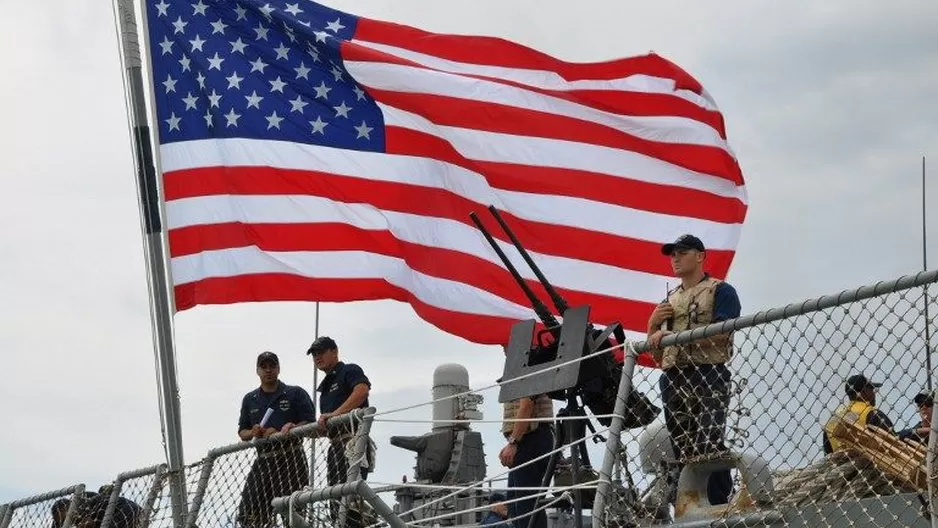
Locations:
{"points": [[344, 388], [924, 402], [859, 409], [526, 440], [695, 385], [280, 467]]}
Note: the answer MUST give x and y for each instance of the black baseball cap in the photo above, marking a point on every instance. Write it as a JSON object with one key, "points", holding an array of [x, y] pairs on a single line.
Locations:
{"points": [[856, 383], [265, 357], [924, 399], [683, 242], [321, 344]]}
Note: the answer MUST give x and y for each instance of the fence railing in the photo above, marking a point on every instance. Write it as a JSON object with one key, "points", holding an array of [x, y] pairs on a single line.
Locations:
{"points": [[784, 386]]}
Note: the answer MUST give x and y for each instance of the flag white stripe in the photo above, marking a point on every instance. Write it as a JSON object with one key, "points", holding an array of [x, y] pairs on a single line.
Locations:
{"points": [[481, 145], [410, 79], [573, 274], [551, 209], [344, 265], [545, 79]]}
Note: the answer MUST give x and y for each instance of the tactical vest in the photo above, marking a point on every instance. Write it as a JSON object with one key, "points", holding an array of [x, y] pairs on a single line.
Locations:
{"points": [[693, 308], [857, 412], [543, 408]]}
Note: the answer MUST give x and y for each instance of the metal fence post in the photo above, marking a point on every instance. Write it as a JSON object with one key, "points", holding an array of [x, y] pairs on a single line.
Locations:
{"points": [[615, 432], [6, 515], [204, 477], [147, 512]]}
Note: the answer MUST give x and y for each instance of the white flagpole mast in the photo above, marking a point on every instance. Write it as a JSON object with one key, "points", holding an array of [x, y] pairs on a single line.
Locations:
{"points": [[161, 303]]}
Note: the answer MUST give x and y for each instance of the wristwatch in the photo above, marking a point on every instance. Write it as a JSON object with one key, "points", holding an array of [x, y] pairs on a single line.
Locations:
{"points": [[512, 440]]}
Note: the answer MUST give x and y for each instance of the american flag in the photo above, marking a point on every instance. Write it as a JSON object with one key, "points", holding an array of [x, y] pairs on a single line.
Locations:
{"points": [[309, 154]]}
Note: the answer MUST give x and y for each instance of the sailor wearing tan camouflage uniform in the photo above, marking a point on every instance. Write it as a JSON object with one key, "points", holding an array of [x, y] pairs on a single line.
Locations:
{"points": [[526, 441], [695, 385]]}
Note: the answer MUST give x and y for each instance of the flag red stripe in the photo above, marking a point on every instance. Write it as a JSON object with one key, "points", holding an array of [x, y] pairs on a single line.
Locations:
{"points": [[603, 188], [627, 103], [483, 329], [565, 241], [499, 52], [476, 115], [436, 262]]}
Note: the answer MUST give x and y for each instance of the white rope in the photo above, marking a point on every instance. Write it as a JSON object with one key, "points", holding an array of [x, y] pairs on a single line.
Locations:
{"points": [[387, 486], [506, 420], [563, 495], [501, 383]]}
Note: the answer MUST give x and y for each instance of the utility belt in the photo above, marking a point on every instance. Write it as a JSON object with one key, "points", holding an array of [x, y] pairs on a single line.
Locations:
{"points": [[540, 425], [282, 450]]}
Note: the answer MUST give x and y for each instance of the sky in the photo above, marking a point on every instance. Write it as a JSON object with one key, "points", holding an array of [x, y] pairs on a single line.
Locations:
{"points": [[828, 106]]}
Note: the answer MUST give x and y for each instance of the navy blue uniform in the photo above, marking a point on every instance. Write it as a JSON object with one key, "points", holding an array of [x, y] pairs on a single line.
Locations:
{"points": [[280, 468], [337, 386], [334, 389]]}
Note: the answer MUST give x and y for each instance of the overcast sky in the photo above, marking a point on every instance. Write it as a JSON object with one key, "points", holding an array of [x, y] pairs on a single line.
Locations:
{"points": [[829, 107]]}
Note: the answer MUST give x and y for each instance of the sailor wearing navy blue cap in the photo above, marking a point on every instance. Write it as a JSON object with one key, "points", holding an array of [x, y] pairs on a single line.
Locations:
{"points": [[695, 385], [344, 389], [860, 409], [280, 467]]}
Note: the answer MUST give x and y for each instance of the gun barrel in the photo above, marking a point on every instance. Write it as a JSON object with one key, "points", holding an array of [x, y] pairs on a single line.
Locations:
{"points": [[558, 301], [539, 307]]}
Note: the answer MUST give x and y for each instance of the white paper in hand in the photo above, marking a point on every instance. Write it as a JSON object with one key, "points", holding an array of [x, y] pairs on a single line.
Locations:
{"points": [[266, 417]]}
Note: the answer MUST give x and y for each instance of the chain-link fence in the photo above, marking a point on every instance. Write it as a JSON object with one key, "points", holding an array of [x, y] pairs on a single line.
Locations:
{"points": [[795, 429], [64, 507]]}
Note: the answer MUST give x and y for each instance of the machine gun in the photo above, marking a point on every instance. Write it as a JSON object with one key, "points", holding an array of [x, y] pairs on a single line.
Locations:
{"points": [[595, 380]]}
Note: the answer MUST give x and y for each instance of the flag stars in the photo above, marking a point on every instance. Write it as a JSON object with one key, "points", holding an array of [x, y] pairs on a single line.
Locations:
{"points": [[342, 110], [214, 63], [298, 104], [166, 46], [190, 101], [258, 65], [201, 80], [273, 120], [319, 126], [234, 81], [231, 118], [359, 93], [266, 10], [173, 122], [161, 8], [282, 51], [214, 99], [335, 26], [238, 46], [179, 25], [218, 27], [321, 36], [199, 8], [184, 62], [293, 9], [277, 85], [197, 43], [363, 131], [261, 31], [302, 72], [254, 100], [314, 53], [322, 91], [208, 119], [241, 12], [336, 72], [170, 84]]}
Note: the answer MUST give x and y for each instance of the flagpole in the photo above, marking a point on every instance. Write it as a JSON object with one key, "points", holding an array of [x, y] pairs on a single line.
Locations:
{"points": [[161, 302], [312, 445], [928, 365]]}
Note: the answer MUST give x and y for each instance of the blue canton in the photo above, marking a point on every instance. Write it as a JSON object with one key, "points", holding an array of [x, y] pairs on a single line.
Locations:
{"points": [[257, 70]]}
